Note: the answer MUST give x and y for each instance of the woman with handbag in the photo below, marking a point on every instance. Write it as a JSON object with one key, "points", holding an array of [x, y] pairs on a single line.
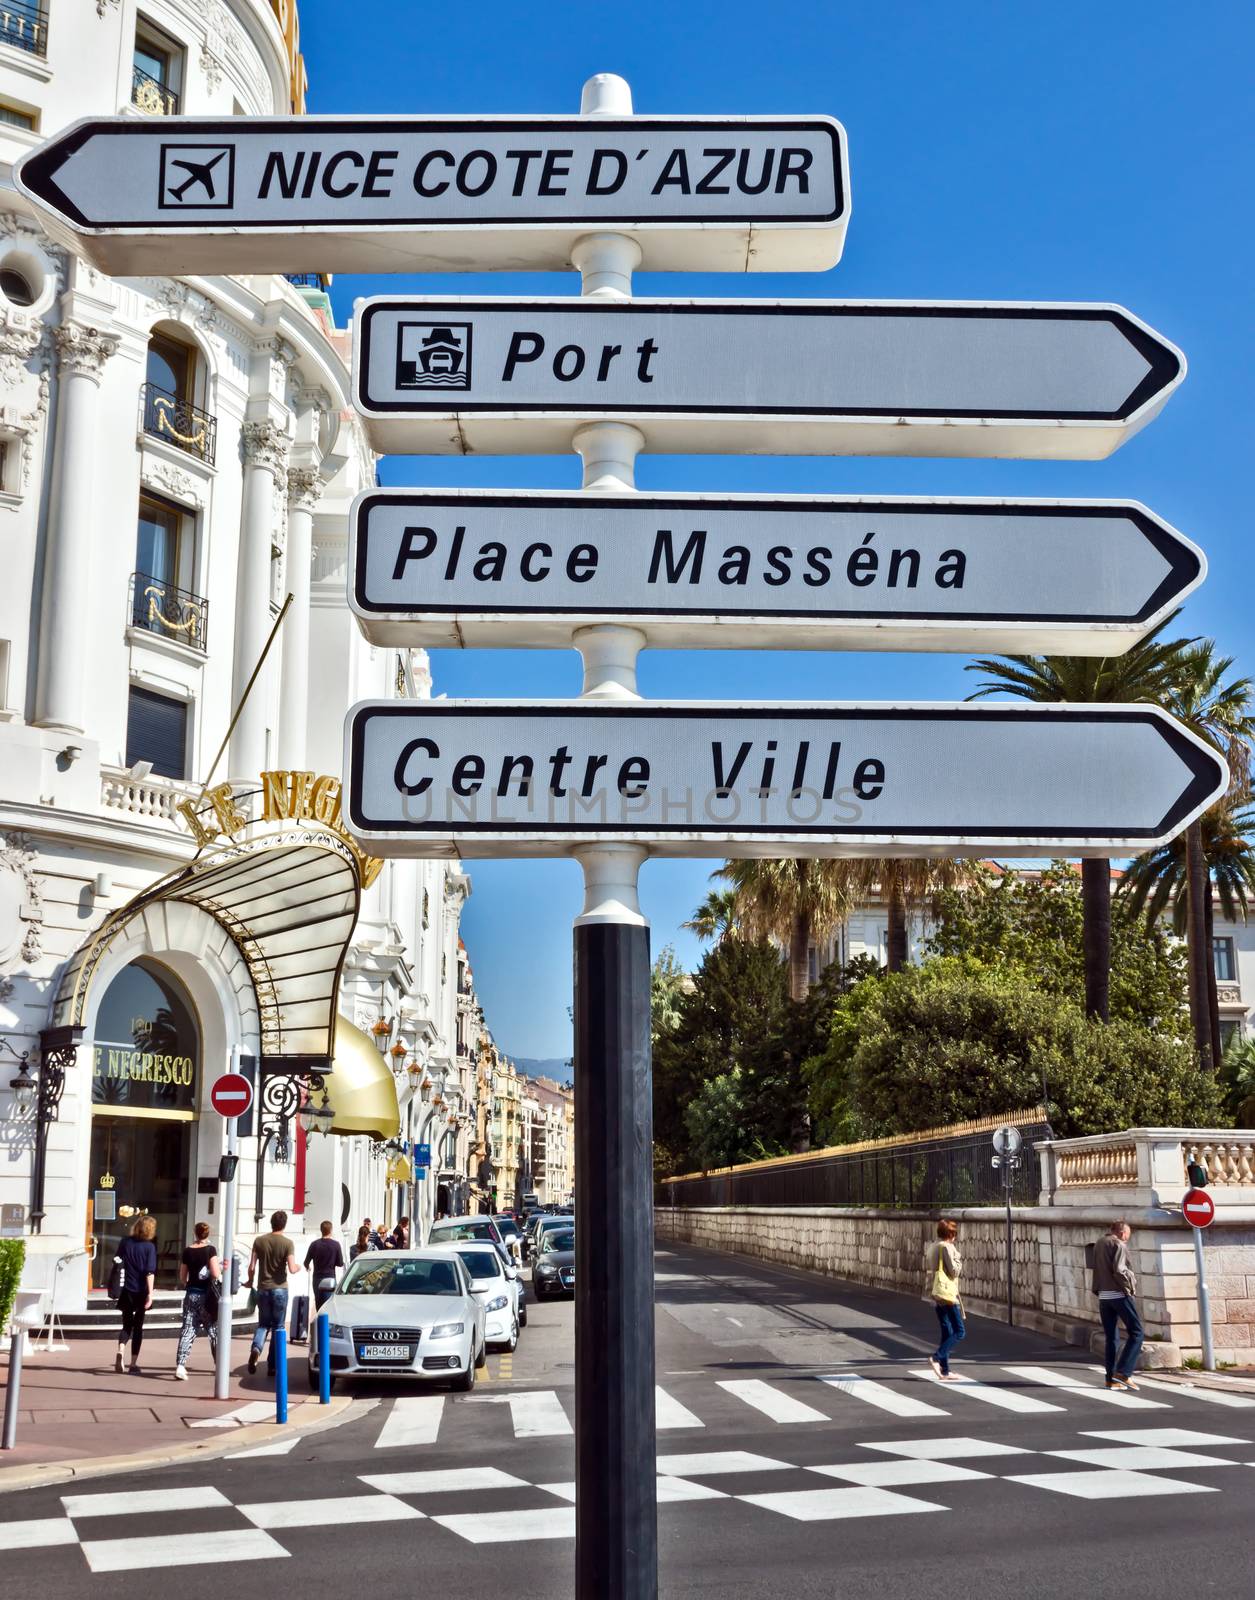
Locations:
{"points": [[139, 1274], [200, 1273], [943, 1263]]}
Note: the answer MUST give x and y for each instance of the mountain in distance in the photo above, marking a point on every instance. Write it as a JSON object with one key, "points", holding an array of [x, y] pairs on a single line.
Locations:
{"points": [[551, 1067]]}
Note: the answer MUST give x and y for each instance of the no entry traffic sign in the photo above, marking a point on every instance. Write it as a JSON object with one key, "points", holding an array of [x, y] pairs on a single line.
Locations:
{"points": [[790, 377], [479, 568], [231, 1095], [494, 778], [1198, 1208], [408, 194]]}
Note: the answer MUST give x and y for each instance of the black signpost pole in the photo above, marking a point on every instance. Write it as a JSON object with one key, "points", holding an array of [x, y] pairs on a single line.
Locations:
{"points": [[616, 1541]]}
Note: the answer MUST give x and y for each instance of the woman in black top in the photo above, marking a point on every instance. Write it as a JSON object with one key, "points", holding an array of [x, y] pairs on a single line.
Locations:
{"points": [[139, 1273], [200, 1272]]}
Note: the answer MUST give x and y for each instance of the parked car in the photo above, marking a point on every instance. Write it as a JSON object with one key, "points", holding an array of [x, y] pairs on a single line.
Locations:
{"points": [[453, 1230], [549, 1224], [510, 1230], [408, 1314], [497, 1287], [553, 1271]]}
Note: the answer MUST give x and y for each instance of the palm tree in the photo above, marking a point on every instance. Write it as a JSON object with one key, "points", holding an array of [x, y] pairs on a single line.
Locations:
{"points": [[796, 901], [715, 919], [1222, 713], [1159, 880], [906, 883], [1146, 672]]}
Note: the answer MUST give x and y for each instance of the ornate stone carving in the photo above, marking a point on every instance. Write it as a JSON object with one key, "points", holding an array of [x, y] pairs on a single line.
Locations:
{"points": [[305, 488], [211, 67], [265, 445], [19, 339], [21, 904], [102, 6], [172, 480], [83, 351]]}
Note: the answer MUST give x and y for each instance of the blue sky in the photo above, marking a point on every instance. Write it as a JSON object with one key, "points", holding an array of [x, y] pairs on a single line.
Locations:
{"points": [[997, 151]]}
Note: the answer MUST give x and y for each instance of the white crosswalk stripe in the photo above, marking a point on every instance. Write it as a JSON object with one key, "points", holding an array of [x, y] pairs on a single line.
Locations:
{"points": [[254, 1411], [180, 1550], [880, 1395], [1194, 1391], [973, 1389], [413, 1419], [280, 1449], [772, 1402], [538, 1415], [669, 1413], [1079, 1386]]}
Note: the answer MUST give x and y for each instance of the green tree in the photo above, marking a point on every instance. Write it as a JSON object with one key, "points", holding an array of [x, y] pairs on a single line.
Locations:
{"points": [[716, 1120], [715, 918], [952, 1040], [906, 883], [1237, 1079], [1032, 923], [1147, 672], [667, 982], [798, 902], [1218, 708], [731, 1018]]}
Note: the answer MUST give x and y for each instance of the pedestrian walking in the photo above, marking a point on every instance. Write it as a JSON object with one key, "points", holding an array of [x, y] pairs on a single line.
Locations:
{"points": [[1115, 1285], [363, 1244], [943, 1263], [139, 1275], [401, 1234], [324, 1259], [272, 1261], [200, 1272]]}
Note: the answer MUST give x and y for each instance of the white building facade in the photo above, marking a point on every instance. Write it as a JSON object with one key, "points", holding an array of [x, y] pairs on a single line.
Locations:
{"points": [[177, 457]]}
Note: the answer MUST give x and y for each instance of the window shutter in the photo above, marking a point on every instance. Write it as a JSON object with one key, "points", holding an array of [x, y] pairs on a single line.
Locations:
{"points": [[156, 731]]}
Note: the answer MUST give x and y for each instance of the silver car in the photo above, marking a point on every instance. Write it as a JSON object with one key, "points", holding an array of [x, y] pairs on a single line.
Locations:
{"points": [[404, 1313]]}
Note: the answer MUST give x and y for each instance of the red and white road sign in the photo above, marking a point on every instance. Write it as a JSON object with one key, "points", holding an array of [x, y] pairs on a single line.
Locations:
{"points": [[231, 1095], [1199, 1208]]}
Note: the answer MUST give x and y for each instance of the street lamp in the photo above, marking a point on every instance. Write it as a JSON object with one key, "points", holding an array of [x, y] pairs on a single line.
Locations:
{"points": [[317, 1118], [23, 1086]]}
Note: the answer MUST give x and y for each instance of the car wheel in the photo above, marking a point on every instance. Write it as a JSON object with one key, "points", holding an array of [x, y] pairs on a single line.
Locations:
{"points": [[481, 1360], [464, 1382], [522, 1316], [514, 1336]]}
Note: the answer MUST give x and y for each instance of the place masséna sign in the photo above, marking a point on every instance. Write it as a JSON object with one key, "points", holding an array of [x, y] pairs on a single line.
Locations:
{"points": [[792, 377], [523, 778], [486, 567], [415, 194]]}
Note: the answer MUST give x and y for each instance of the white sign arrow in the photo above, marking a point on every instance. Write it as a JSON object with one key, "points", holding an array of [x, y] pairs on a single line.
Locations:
{"points": [[492, 778], [483, 568], [794, 377], [414, 194]]}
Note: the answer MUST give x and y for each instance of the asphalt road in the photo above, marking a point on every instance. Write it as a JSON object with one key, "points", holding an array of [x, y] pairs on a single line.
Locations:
{"points": [[1029, 1479]]}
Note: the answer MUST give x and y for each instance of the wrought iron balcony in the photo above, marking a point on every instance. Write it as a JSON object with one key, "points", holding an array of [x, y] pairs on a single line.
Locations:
{"points": [[24, 27], [181, 424], [307, 280], [160, 608], [151, 95]]}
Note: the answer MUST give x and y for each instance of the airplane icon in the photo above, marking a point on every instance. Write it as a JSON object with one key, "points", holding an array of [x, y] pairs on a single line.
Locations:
{"points": [[200, 172], [197, 176]]}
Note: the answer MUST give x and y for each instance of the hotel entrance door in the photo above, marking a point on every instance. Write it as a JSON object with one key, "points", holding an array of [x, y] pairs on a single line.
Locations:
{"points": [[149, 1162]]}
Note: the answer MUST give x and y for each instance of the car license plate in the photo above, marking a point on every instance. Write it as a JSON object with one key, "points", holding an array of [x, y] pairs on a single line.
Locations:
{"points": [[384, 1352]]}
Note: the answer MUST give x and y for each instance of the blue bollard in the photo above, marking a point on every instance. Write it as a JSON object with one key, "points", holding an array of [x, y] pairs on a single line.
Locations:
{"points": [[324, 1359], [280, 1337]]}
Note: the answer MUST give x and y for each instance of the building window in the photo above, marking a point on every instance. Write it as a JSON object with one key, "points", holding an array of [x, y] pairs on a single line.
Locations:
{"points": [[156, 71], [156, 732], [169, 394], [162, 600], [1226, 963], [15, 116], [1229, 1032], [24, 26]]}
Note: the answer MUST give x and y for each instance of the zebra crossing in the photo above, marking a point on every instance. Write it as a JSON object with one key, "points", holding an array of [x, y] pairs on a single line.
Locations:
{"points": [[802, 1400], [481, 1505]]}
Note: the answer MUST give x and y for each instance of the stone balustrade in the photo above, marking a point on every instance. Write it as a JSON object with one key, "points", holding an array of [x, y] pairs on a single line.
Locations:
{"points": [[1115, 1163], [1227, 1163], [144, 797]]}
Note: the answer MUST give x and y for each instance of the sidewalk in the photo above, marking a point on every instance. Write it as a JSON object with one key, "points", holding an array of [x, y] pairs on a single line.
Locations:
{"points": [[75, 1407]]}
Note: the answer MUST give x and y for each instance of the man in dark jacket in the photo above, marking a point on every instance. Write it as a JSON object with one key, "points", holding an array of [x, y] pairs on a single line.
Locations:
{"points": [[1116, 1286]]}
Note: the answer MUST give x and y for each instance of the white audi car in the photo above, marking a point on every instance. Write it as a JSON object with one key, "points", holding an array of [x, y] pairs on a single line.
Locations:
{"points": [[404, 1314]]}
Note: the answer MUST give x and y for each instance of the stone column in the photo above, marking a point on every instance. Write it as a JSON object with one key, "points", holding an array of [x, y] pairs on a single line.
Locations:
{"points": [[265, 464], [66, 599], [304, 488]]}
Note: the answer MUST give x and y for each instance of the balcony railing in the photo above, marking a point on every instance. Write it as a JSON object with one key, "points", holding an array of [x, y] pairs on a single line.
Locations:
{"points": [[151, 95], [180, 423], [24, 27], [307, 280], [174, 613]]}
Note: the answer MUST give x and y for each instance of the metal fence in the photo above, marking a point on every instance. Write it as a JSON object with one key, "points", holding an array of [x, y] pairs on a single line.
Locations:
{"points": [[24, 27], [943, 1167]]}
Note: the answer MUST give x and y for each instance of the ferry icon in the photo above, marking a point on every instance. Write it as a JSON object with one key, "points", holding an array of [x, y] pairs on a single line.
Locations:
{"points": [[433, 355]]}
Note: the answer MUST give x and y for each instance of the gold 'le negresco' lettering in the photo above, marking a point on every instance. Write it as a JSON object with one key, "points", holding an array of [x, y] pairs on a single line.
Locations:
{"points": [[142, 1066]]}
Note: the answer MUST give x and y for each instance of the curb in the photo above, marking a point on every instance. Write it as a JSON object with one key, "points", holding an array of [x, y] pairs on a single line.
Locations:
{"points": [[1189, 1379], [341, 1410]]}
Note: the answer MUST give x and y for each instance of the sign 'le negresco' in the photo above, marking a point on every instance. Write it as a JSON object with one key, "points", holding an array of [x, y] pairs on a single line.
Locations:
{"points": [[791, 377], [486, 567], [408, 194]]}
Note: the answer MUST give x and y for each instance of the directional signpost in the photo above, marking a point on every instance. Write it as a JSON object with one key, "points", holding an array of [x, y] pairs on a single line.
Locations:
{"points": [[482, 568], [487, 777], [610, 779], [230, 1096], [787, 377], [1199, 1210], [418, 194]]}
